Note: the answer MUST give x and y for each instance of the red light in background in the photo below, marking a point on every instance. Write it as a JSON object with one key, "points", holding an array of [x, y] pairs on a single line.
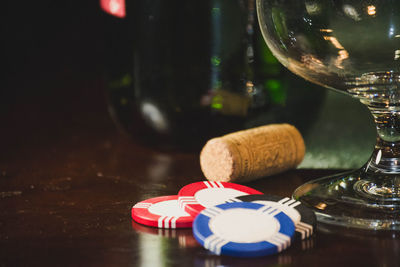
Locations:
{"points": [[114, 7]]}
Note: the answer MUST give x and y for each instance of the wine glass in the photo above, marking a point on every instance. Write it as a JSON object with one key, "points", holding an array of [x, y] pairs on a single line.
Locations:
{"points": [[352, 46]]}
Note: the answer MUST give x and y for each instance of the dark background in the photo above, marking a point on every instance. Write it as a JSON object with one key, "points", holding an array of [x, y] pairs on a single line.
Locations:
{"points": [[52, 66], [53, 54], [47, 38]]}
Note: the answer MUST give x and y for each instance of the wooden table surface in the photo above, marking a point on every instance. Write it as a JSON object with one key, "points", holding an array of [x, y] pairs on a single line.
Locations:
{"points": [[68, 178]]}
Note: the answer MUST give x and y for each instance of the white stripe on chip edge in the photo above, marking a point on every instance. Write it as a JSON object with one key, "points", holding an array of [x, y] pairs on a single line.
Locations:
{"points": [[212, 212], [166, 222], [215, 243], [213, 184], [160, 221], [305, 229], [209, 240], [207, 184], [173, 222], [269, 210], [183, 201], [281, 241], [289, 202], [295, 204], [220, 184]]}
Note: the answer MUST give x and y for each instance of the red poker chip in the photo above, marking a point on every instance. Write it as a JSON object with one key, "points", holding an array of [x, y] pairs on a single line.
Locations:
{"points": [[161, 212], [195, 197]]}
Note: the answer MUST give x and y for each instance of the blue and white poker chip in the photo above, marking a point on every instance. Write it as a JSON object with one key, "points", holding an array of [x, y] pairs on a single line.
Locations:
{"points": [[243, 229]]}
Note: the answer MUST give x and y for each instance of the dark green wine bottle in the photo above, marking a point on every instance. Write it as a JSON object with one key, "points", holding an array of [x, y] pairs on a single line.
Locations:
{"points": [[181, 72]]}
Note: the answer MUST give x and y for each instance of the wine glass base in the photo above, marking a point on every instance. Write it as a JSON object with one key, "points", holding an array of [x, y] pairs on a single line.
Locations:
{"points": [[354, 200]]}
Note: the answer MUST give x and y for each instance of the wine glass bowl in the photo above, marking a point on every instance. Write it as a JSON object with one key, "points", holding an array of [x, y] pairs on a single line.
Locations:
{"points": [[351, 46], [341, 46]]}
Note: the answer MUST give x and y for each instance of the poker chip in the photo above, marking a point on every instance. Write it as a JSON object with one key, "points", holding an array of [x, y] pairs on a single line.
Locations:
{"points": [[195, 197], [303, 217], [243, 229], [161, 212]]}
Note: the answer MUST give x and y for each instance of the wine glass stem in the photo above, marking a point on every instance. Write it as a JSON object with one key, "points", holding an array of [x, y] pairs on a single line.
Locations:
{"points": [[386, 155]]}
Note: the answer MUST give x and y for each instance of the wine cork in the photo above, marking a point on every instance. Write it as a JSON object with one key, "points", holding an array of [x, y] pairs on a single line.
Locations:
{"points": [[250, 154]]}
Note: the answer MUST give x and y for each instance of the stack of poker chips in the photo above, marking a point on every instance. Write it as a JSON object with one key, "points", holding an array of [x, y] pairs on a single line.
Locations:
{"points": [[230, 219]]}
